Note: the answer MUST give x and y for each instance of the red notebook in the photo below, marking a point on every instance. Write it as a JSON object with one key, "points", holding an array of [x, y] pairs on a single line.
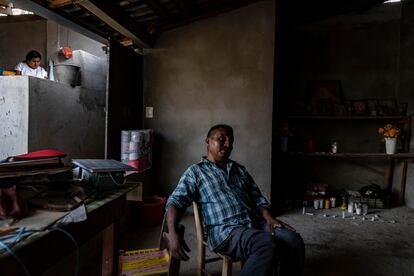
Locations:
{"points": [[40, 154]]}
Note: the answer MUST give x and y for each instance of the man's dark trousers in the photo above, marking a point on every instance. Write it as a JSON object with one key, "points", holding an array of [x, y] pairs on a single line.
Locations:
{"points": [[264, 253]]}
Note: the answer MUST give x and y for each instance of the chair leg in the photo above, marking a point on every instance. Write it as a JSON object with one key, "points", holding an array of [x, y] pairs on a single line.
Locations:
{"points": [[174, 269], [201, 258], [227, 267]]}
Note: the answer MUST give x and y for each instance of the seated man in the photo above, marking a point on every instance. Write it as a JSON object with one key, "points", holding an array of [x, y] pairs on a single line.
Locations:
{"points": [[236, 216]]}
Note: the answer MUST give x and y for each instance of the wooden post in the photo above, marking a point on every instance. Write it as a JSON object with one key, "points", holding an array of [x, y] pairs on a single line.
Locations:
{"points": [[108, 250]]}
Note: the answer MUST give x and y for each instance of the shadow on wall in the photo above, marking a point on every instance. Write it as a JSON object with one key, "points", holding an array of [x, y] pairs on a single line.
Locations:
{"points": [[164, 167]]}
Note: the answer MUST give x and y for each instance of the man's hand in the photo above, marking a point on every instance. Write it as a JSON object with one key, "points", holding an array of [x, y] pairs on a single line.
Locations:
{"points": [[272, 222], [275, 223], [177, 246]]}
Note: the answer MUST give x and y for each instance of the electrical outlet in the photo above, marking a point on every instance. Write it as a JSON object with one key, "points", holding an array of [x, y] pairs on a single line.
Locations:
{"points": [[149, 112]]}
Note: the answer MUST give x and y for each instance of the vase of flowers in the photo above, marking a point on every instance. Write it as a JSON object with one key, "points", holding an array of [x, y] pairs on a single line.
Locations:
{"points": [[390, 134]]}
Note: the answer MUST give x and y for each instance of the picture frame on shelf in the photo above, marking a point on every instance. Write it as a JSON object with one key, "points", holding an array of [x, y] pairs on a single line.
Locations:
{"points": [[339, 110], [402, 109], [325, 90], [387, 107], [322, 95], [372, 107], [359, 108]]}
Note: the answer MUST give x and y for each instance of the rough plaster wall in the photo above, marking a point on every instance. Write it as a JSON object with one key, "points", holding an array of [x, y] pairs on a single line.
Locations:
{"points": [[18, 38], [360, 49], [59, 36], [218, 70], [14, 103], [66, 118], [93, 69]]}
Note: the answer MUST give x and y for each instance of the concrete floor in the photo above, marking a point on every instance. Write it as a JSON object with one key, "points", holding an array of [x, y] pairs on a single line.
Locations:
{"points": [[334, 246]]}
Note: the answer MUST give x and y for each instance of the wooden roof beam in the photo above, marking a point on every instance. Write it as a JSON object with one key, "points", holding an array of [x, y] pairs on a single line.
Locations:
{"points": [[53, 4], [157, 8], [120, 21]]}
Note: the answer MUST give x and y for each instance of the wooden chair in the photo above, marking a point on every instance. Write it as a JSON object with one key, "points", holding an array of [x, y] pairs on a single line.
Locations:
{"points": [[153, 261], [201, 248]]}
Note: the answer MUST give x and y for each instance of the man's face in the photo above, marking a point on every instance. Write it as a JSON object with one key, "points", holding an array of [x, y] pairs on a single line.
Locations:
{"points": [[219, 145]]}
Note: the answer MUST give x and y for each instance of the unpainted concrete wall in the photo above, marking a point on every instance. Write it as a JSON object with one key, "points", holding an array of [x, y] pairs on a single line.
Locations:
{"points": [[66, 118], [218, 70], [371, 53], [42, 114], [18, 38], [59, 36], [14, 111]]}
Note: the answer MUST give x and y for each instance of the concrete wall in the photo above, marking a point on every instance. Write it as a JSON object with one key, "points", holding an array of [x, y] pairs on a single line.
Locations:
{"points": [[371, 53], [218, 70], [14, 114], [19, 37], [41, 114], [67, 118], [59, 36]]}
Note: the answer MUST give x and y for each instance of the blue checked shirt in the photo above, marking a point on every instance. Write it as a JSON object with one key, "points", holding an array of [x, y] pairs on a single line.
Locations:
{"points": [[227, 198]]}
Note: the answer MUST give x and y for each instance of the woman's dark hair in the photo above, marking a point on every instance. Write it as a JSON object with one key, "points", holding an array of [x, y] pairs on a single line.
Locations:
{"points": [[213, 128], [33, 54]]}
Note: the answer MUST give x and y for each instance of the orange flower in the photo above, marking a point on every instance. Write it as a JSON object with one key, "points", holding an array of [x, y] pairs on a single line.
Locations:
{"points": [[389, 131]]}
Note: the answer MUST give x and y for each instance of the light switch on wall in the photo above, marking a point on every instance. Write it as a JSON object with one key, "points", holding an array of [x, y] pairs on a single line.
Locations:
{"points": [[149, 112]]}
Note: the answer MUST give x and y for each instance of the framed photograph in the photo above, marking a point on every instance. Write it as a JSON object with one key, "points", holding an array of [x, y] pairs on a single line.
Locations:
{"points": [[402, 109], [372, 107], [322, 95], [387, 107], [339, 110], [359, 108]]}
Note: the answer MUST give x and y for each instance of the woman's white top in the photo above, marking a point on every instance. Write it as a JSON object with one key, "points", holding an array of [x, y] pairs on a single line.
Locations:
{"points": [[27, 71]]}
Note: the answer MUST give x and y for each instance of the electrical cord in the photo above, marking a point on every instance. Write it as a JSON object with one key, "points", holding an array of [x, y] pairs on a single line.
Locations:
{"points": [[22, 231], [76, 246]]}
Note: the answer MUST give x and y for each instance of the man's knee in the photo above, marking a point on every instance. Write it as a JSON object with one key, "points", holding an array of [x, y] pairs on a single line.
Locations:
{"points": [[290, 238], [266, 245]]}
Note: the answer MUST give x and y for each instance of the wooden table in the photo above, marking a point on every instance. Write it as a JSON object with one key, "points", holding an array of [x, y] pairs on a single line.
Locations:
{"points": [[41, 251]]}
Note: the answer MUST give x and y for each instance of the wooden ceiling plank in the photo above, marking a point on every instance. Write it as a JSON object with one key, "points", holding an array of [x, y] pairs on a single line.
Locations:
{"points": [[4, 2], [118, 20], [157, 8], [53, 4], [204, 13]]}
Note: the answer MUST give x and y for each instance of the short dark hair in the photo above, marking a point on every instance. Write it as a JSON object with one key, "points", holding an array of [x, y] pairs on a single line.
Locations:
{"points": [[33, 54], [213, 128]]}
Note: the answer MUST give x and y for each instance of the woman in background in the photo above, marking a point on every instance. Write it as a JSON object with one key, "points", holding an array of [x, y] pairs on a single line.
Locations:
{"points": [[31, 66]]}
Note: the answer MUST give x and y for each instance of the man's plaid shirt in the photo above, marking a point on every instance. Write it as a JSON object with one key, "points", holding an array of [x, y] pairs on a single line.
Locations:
{"points": [[227, 198]]}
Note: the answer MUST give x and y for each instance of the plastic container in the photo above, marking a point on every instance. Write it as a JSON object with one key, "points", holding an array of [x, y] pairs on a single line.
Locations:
{"points": [[151, 210]]}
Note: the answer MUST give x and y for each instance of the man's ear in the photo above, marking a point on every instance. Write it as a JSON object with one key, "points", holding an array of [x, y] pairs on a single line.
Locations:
{"points": [[207, 140]]}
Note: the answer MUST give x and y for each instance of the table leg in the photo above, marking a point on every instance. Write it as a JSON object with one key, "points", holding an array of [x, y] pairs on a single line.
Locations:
{"points": [[403, 179], [389, 175], [108, 250]]}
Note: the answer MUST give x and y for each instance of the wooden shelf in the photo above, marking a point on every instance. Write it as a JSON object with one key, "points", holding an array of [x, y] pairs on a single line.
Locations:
{"points": [[403, 155], [345, 117]]}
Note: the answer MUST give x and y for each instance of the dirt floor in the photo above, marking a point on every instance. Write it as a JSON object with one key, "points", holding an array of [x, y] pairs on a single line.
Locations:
{"points": [[381, 244]]}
